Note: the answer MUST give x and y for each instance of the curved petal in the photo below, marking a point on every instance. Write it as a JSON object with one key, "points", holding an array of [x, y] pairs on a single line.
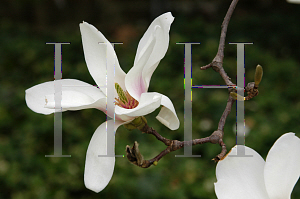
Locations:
{"points": [[151, 49], [282, 169], [147, 104], [99, 170], [100, 56], [73, 100], [241, 177], [167, 114], [76, 95]]}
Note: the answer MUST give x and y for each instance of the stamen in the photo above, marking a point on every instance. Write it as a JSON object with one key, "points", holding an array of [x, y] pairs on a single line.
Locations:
{"points": [[125, 100]]}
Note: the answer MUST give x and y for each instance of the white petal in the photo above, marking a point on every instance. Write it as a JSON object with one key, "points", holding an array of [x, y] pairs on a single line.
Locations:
{"points": [[151, 49], [167, 114], [73, 100], [294, 1], [282, 169], [36, 96], [241, 177], [99, 170], [98, 56], [147, 104]]}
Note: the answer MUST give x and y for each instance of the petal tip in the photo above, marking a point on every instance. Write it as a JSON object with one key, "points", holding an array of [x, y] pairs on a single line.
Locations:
{"points": [[290, 136], [168, 16], [92, 187], [86, 25], [173, 126]]}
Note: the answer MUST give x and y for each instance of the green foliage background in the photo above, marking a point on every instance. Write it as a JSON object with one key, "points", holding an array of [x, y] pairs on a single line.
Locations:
{"points": [[26, 137]]}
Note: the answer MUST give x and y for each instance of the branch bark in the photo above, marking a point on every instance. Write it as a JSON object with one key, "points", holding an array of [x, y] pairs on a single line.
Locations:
{"points": [[135, 157], [217, 62]]}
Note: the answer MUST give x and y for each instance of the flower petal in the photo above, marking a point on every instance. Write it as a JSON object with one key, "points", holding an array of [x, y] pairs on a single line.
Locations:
{"points": [[75, 95], [294, 1], [167, 114], [151, 49], [99, 170], [147, 104], [241, 177], [73, 100], [99, 57], [282, 169]]}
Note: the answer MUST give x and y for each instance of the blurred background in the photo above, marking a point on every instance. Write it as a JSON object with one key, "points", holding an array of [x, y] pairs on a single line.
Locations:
{"points": [[25, 60]]}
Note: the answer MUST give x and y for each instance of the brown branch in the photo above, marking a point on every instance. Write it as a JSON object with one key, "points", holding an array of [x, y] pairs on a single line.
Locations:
{"points": [[134, 156], [217, 62], [150, 130], [174, 144], [251, 90], [226, 112], [221, 156], [220, 132]]}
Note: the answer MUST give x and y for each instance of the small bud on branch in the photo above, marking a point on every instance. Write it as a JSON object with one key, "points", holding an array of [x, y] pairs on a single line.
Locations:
{"points": [[258, 75]]}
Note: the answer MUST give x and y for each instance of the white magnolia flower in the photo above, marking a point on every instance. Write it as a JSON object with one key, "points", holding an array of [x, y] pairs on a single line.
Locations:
{"points": [[135, 100], [253, 178]]}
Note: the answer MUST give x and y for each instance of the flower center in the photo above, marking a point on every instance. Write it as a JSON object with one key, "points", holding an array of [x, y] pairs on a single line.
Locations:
{"points": [[125, 100]]}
